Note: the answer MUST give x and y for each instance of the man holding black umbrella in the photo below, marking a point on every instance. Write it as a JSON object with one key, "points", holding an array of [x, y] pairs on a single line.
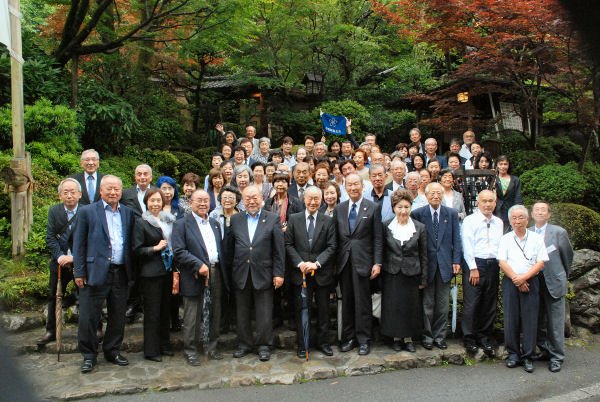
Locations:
{"points": [[310, 246]]}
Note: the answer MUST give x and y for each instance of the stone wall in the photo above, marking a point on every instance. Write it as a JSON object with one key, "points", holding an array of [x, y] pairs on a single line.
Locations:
{"points": [[585, 281]]}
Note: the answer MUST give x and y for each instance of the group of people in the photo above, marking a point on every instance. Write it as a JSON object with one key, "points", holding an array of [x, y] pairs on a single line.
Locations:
{"points": [[267, 224]]}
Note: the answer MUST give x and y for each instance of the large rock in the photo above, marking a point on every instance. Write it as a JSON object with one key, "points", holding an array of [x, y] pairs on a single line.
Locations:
{"points": [[585, 281], [22, 322]]}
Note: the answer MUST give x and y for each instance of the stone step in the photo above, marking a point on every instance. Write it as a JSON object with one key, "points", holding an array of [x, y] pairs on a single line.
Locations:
{"points": [[62, 380]]}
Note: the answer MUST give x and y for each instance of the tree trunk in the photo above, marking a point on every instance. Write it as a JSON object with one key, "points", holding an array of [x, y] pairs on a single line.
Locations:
{"points": [[74, 80]]}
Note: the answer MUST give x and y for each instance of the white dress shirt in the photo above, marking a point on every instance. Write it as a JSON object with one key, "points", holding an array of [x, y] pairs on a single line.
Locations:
{"points": [[480, 237], [140, 196], [208, 236], [521, 255], [541, 231], [465, 152]]}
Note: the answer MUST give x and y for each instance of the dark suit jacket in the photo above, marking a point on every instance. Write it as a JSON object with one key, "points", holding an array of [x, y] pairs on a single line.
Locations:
{"points": [[293, 192], [129, 198], [294, 205], [556, 270], [364, 246], [57, 219], [145, 237], [91, 243], [448, 249], [190, 253], [390, 187], [85, 198], [263, 257], [322, 249], [441, 158], [505, 201], [409, 258]]}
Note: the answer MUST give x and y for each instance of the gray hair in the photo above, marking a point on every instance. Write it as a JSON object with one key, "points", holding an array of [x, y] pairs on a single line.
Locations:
{"points": [[241, 169], [518, 207], [110, 176], [365, 143], [313, 188], [89, 151], [414, 129], [493, 192], [398, 160], [264, 139], [66, 180], [430, 184], [430, 139], [415, 174], [370, 135], [375, 167], [351, 175], [320, 143], [144, 166]]}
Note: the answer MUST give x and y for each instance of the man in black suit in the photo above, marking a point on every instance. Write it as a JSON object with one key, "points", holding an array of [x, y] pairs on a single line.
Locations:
{"points": [[59, 239], [359, 259], [398, 169], [102, 260], [444, 252], [133, 197], [553, 287], [301, 180], [197, 247], [90, 178], [310, 245], [431, 147], [256, 261]]}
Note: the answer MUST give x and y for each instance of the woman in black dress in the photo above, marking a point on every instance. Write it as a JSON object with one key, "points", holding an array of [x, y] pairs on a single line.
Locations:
{"points": [[404, 273], [151, 236]]}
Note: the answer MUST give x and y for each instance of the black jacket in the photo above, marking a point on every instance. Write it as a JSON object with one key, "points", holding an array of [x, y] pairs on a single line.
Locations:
{"points": [[409, 258], [145, 237], [59, 237], [85, 198]]}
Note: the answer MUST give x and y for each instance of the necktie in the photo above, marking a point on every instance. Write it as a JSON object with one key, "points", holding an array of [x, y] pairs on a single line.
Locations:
{"points": [[91, 188], [352, 218], [301, 193], [436, 226], [311, 229], [70, 215], [538, 231]]}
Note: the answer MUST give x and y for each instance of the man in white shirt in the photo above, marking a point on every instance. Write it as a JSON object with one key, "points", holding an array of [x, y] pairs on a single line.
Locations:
{"points": [[480, 233], [521, 255], [468, 138]]}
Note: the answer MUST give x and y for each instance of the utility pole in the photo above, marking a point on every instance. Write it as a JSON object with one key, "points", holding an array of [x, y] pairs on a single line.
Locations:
{"points": [[17, 177]]}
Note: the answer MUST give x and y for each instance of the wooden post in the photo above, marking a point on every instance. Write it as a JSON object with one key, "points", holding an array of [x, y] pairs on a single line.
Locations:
{"points": [[18, 176]]}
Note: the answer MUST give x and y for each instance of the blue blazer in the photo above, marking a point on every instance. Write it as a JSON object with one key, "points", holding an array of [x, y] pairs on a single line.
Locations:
{"points": [[442, 159], [190, 253], [91, 243], [448, 249]]}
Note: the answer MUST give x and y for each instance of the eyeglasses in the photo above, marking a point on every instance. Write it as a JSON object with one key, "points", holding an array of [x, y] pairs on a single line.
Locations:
{"points": [[227, 198], [282, 172]]}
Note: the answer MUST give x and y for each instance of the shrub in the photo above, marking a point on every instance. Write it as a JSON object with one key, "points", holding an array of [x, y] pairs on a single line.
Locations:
{"points": [[204, 155], [120, 167], [360, 116], [163, 162], [24, 291], [524, 159], [554, 183], [582, 224], [189, 163], [563, 150], [46, 156]]}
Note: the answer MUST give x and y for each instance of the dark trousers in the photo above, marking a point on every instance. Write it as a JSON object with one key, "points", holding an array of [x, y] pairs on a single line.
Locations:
{"points": [[66, 276], [284, 301], [551, 323], [263, 311], [436, 305], [479, 302], [91, 300], [156, 293], [357, 306], [321, 294], [520, 314]]}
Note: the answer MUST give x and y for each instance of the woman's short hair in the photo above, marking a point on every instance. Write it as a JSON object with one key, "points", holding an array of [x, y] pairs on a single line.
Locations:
{"points": [[273, 153], [284, 176], [434, 160], [331, 144], [150, 192], [231, 189], [239, 170], [322, 165], [214, 172], [364, 154], [191, 178], [399, 195], [502, 158], [487, 156], [444, 171], [258, 163], [401, 145]]}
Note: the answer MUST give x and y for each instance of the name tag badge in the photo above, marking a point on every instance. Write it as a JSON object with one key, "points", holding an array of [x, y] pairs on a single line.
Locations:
{"points": [[550, 249]]}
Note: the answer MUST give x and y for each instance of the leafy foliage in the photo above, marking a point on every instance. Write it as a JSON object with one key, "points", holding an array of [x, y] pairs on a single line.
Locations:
{"points": [[582, 224], [554, 183]]}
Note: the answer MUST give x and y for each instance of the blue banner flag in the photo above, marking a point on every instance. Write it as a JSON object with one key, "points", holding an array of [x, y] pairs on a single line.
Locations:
{"points": [[334, 124]]}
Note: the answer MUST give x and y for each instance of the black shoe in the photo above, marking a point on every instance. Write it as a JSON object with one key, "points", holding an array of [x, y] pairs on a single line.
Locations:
{"points": [[441, 344], [157, 359], [264, 355], [511, 363], [555, 366], [326, 350], [364, 349], [410, 347], [117, 359], [130, 312], [167, 352], [88, 365], [398, 346], [46, 339], [471, 347], [348, 346], [486, 346], [427, 345], [528, 365], [192, 360], [543, 355], [240, 352], [214, 355], [301, 353]]}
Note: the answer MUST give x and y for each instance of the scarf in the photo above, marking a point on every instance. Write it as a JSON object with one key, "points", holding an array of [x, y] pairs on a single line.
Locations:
{"points": [[164, 222]]}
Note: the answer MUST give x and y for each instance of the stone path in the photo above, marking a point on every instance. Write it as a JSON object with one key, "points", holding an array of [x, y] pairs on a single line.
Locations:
{"points": [[62, 380]]}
